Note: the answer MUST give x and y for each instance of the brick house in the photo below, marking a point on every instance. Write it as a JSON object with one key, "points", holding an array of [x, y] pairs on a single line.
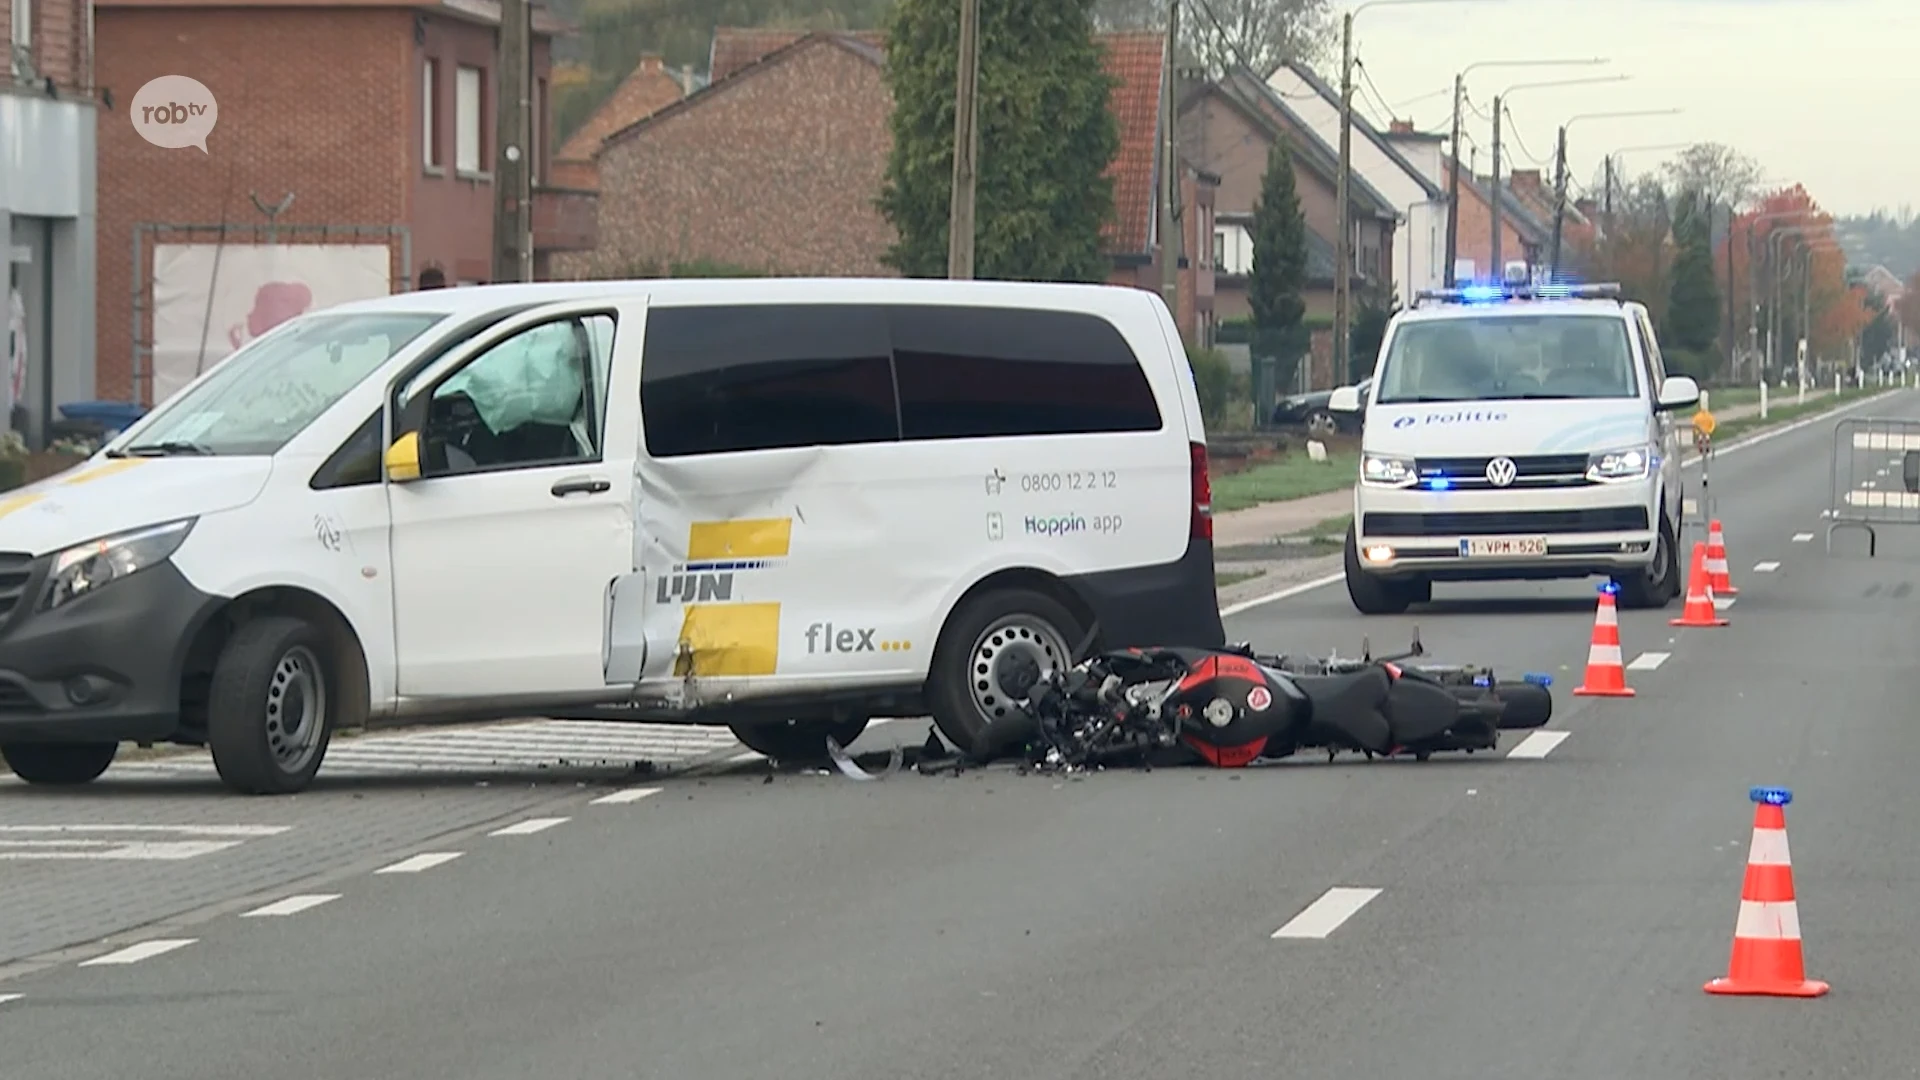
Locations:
{"points": [[372, 123], [48, 129], [646, 90], [1227, 127], [1523, 236], [1577, 230], [774, 166]]}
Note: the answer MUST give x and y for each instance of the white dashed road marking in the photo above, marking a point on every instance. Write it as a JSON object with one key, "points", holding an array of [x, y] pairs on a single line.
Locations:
{"points": [[632, 794], [1648, 661], [292, 905], [1537, 745], [424, 861], [1765, 567], [530, 826], [99, 842], [133, 954], [1327, 914], [4, 998], [1803, 538]]}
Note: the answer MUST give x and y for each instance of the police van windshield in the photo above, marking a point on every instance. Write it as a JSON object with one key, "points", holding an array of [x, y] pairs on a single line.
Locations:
{"points": [[262, 396], [1508, 357]]}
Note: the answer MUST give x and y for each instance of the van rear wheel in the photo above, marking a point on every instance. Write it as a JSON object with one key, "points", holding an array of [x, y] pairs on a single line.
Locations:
{"points": [[1374, 595], [990, 656], [797, 740], [59, 764]]}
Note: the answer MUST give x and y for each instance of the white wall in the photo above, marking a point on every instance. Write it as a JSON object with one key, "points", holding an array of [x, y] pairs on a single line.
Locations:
{"points": [[1386, 176]]}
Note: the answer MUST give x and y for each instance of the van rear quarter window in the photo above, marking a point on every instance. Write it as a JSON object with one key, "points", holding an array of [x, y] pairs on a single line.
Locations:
{"points": [[727, 379]]}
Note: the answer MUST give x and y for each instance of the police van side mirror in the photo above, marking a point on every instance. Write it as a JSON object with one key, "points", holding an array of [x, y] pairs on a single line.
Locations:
{"points": [[1678, 392], [1345, 399]]}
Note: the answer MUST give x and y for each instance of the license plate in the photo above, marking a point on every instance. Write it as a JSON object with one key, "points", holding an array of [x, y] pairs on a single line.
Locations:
{"points": [[1496, 546]]}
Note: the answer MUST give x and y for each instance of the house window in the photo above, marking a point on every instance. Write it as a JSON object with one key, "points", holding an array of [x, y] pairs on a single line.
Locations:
{"points": [[468, 101], [430, 114], [22, 38], [1219, 248]]}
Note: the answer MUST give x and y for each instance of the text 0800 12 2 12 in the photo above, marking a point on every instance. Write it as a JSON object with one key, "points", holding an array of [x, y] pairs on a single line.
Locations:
{"points": [[1074, 480]]}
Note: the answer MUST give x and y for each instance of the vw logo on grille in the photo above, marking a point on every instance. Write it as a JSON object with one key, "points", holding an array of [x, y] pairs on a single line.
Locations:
{"points": [[1501, 471]]}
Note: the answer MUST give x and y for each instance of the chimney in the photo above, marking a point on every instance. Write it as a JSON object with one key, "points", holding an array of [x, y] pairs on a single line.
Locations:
{"points": [[1525, 182], [686, 80], [1400, 127], [651, 62]]}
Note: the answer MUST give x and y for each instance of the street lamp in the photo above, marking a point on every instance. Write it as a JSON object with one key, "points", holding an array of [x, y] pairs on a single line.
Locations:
{"points": [[1499, 110], [1607, 194], [1453, 146], [1560, 168], [1776, 289], [1343, 243]]}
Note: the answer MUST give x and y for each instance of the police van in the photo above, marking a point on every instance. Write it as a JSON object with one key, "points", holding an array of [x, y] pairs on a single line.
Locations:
{"points": [[1518, 432], [786, 506]]}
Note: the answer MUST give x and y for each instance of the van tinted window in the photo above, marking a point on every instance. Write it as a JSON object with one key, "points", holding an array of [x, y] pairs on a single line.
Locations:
{"points": [[969, 372], [717, 380]]}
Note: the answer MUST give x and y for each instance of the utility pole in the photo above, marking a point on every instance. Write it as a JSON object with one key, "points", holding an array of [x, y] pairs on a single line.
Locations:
{"points": [[1169, 227], [1493, 194], [1343, 239], [966, 146], [1559, 199], [1607, 210], [1733, 346], [513, 154], [1453, 183]]}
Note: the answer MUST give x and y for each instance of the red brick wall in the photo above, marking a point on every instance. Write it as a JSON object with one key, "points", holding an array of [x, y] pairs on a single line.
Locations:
{"points": [[1476, 232], [59, 41], [775, 170]]}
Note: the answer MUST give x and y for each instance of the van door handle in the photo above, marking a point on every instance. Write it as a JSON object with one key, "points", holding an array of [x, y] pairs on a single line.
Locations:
{"points": [[564, 488]]}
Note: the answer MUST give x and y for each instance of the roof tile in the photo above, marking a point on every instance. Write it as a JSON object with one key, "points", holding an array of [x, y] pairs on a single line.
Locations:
{"points": [[647, 90]]}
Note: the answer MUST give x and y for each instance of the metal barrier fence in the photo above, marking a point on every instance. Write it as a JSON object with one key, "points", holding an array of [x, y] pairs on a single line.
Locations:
{"points": [[1875, 478]]}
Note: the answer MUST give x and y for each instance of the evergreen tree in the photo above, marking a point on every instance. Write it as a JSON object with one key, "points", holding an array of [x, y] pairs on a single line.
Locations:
{"points": [[1278, 279], [1047, 135], [1693, 308]]}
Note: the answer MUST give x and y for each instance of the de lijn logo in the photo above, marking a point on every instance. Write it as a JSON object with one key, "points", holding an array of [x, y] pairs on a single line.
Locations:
{"points": [[174, 112], [1462, 416]]}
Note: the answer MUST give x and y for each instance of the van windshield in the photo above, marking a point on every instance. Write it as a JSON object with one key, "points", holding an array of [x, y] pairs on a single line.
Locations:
{"points": [[262, 396], [1508, 357]]}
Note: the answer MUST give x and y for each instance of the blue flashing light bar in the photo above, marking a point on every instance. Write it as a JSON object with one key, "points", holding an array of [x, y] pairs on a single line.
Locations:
{"points": [[1611, 588], [1439, 483], [1538, 678], [1772, 796], [1496, 294]]}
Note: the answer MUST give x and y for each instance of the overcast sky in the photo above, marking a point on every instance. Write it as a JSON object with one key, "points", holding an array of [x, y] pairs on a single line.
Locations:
{"points": [[1820, 92]]}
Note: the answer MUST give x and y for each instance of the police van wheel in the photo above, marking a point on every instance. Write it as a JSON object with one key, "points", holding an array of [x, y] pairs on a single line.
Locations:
{"points": [[1663, 578], [270, 712], [797, 740], [989, 655], [1372, 595], [59, 764]]}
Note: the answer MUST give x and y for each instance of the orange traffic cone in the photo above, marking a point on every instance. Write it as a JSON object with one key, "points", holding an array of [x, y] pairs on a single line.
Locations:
{"points": [[1606, 675], [1766, 940], [1699, 610], [1719, 580]]}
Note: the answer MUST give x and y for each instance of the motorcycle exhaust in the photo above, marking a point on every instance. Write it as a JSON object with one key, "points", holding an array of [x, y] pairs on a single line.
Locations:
{"points": [[1528, 705]]}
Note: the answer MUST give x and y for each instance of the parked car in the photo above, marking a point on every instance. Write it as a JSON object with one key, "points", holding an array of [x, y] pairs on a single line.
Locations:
{"points": [[1311, 411]]}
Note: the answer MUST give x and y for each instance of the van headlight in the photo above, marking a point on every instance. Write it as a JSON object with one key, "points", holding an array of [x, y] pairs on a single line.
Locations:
{"points": [[1614, 466], [1385, 470], [83, 568]]}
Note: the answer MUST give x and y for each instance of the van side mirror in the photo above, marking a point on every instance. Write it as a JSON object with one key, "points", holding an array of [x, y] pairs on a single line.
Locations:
{"points": [[1346, 399], [403, 459], [1678, 392]]}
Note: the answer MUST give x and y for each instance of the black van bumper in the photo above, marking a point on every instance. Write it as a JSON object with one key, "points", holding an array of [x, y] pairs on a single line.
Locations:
{"points": [[102, 668], [1171, 604]]}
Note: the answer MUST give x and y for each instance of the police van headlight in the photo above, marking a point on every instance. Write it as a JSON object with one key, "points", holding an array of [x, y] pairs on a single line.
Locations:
{"points": [[1615, 466], [84, 568], [1383, 470]]}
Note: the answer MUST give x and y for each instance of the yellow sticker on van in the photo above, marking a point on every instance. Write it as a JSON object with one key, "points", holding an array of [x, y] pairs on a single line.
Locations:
{"points": [[729, 640], [101, 472], [756, 538], [18, 502]]}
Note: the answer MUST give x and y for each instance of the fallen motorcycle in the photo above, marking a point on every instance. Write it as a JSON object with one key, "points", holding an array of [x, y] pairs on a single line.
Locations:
{"points": [[1233, 707]]}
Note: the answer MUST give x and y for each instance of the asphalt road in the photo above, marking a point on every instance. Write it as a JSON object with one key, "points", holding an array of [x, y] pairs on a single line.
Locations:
{"points": [[1553, 916]]}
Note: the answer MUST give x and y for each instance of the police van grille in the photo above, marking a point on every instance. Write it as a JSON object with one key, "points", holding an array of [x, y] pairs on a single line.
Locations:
{"points": [[1508, 523], [1531, 471]]}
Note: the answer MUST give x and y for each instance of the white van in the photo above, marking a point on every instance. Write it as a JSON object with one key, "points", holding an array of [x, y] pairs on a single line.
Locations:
{"points": [[1514, 433], [787, 506]]}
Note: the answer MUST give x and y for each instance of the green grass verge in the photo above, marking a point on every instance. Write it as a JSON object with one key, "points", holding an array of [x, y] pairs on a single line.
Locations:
{"points": [[1295, 476], [1782, 409], [1234, 577]]}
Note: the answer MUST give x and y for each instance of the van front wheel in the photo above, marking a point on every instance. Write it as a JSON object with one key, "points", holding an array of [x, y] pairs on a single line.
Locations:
{"points": [[271, 709], [990, 655], [797, 740]]}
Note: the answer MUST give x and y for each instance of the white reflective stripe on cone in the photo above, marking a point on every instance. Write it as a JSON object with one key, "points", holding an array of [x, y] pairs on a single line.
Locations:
{"points": [[1768, 920], [1608, 616], [1716, 566], [1769, 848], [1608, 655]]}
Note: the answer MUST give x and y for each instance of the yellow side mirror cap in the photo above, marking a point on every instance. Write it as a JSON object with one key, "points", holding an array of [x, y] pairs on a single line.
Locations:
{"points": [[403, 458]]}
